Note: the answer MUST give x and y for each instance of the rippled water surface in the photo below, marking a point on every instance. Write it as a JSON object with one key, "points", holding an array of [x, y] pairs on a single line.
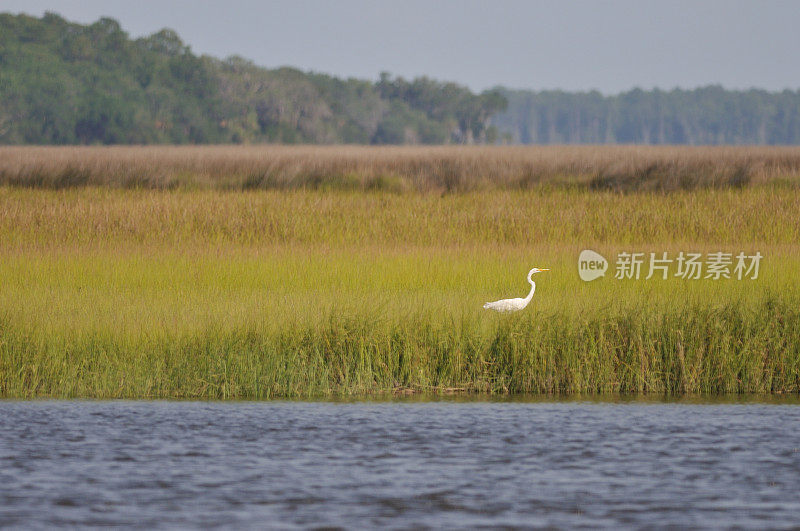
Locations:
{"points": [[430, 464]]}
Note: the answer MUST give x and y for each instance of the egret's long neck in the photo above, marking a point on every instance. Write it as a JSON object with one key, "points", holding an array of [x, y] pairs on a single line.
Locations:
{"points": [[533, 288]]}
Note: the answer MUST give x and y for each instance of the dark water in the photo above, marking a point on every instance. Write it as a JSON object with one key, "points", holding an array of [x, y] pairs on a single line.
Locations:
{"points": [[434, 464]]}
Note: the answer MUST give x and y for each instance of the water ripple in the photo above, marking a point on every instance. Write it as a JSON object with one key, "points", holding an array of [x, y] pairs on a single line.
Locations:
{"points": [[437, 464]]}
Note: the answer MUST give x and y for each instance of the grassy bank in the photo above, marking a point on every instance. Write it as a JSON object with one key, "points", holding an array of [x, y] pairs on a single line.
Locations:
{"points": [[694, 349], [191, 292]]}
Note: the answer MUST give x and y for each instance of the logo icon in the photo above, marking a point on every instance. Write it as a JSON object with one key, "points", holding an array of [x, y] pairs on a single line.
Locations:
{"points": [[591, 265]]}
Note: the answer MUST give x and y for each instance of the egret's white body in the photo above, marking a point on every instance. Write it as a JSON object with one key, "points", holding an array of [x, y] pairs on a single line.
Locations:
{"points": [[513, 305]]}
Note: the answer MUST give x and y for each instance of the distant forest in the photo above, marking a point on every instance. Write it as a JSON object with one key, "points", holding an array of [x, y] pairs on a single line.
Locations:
{"points": [[67, 83], [708, 115]]}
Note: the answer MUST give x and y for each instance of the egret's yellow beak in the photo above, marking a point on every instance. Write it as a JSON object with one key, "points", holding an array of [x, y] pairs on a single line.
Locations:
{"points": [[544, 270]]}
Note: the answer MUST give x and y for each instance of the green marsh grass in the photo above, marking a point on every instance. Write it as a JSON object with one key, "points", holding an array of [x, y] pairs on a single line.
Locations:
{"points": [[211, 293]]}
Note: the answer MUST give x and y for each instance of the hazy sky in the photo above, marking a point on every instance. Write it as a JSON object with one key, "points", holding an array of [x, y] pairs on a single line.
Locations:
{"points": [[605, 45]]}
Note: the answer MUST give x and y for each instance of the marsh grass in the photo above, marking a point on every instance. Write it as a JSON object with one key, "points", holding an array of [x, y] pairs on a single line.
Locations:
{"points": [[217, 292], [702, 349], [400, 169]]}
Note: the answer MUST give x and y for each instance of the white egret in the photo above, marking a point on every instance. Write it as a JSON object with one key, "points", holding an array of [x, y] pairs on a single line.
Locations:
{"points": [[513, 305]]}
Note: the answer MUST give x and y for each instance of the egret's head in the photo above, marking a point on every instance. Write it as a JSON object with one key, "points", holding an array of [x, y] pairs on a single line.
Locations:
{"points": [[535, 270]]}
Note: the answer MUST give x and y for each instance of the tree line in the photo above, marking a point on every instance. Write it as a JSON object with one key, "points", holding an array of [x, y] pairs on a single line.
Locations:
{"points": [[707, 115], [67, 83]]}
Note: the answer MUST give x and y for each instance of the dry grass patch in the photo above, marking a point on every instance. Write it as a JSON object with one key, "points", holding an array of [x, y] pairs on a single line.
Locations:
{"points": [[400, 169]]}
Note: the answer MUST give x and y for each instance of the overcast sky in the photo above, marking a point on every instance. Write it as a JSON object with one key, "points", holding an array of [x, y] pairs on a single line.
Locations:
{"points": [[606, 45]]}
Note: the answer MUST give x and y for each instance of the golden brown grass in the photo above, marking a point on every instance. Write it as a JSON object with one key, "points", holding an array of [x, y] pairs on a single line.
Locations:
{"points": [[398, 169], [69, 220]]}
